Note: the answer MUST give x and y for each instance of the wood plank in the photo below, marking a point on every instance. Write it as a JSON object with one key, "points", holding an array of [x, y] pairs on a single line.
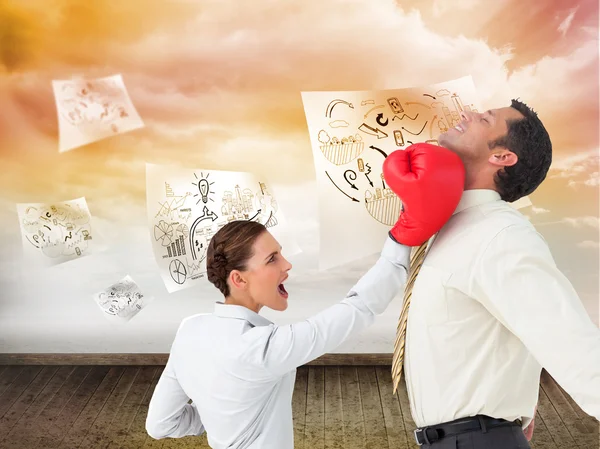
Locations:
{"points": [[47, 418], [95, 437], [88, 415], [299, 406], [354, 422], [137, 434], [581, 434], [21, 433], [542, 439], [160, 359], [8, 376], [376, 436], [409, 424], [392, 415], [334, 416], [130, 406], [73, 408], [314, 432], [22, 404], [555, 425], [591, 423], [17, 387]]}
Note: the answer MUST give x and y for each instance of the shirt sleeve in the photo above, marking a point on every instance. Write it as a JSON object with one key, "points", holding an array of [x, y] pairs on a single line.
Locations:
{"points": [[170, 414], [518, 281], [280, 349]]}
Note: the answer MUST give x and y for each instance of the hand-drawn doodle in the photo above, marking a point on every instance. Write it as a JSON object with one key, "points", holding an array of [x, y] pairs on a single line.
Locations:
{"points": [[424, 111], [187, 220], [121, 301], [333, 104], [339, 124], [340, 152], [57, 232], [395, 105], [93, 109]]}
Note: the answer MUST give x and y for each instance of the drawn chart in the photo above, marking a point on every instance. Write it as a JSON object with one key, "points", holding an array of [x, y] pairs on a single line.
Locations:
{"points": [[356, 208], [93, 109], [121, 301], [186, 207], [54, 233]]}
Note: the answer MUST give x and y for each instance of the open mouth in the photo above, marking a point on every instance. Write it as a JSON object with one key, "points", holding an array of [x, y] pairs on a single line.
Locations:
{"points": [[282, 291]]}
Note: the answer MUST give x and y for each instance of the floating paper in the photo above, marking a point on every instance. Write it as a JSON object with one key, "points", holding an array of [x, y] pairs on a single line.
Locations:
{"points": [[93, 109], [186, 207], [121, 301], [53, 233]]}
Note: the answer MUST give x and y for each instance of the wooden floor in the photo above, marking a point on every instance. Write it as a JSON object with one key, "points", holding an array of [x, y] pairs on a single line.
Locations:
{"points": [[334, 407]]}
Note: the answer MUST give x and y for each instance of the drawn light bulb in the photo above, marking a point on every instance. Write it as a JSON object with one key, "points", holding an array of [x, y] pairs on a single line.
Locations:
{"points": [[203, 187]]}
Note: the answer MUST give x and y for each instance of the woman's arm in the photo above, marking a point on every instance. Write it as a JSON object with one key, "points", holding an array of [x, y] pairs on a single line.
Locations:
{"points": [[280, 349], [169, 412]]}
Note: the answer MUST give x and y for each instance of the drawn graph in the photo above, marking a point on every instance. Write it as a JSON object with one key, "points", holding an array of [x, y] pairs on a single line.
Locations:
{"points": [[186, 207], [355, 205], [121, 301], [93, 109], [54, 233]]}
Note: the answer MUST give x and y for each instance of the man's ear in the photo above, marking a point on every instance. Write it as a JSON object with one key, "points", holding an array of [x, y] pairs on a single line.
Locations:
{"points": [[237, 279], [503, 157]]}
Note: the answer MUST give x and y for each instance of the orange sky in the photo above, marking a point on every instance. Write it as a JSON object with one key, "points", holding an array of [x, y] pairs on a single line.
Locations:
{"points": [[218, 85]]}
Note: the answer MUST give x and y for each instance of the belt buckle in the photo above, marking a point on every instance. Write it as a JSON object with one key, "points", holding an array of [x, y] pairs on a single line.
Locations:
{"points": [[416, 437]]}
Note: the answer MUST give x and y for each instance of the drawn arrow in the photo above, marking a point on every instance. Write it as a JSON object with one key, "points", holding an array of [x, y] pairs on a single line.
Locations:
{"points": [[380, 150], [333, 104], [414, 133], [255, 215], [380, 121], [431, 126], [383, 181], [206, 215], [352, 175], [420, 104], [405, 115], [373, 108], [427, 95], [373, 131], [336, 186]]}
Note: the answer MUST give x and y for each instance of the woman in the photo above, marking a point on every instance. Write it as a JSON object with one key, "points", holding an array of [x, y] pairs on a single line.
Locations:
{"points": [[238, 367]]}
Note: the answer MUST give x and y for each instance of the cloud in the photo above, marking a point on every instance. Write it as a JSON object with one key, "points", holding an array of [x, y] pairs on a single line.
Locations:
{"points": [[539, 210], [579, 222], [566, 23], [589, 244]]}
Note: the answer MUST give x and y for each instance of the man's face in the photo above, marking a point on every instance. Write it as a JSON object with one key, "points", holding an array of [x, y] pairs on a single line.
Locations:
{"points": [[470, 138]]}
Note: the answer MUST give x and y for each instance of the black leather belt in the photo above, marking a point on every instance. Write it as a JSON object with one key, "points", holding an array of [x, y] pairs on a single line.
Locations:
{"points": [[430, 434]]}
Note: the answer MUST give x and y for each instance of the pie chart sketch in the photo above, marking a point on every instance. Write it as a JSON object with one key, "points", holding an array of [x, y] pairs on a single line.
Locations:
{"points": [[163, 233], [178, 271]]}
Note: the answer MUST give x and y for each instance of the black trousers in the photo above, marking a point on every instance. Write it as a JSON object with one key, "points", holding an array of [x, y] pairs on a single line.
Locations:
{"points": [[510, 436]]}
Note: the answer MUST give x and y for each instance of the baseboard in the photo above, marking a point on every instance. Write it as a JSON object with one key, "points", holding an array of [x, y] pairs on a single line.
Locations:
{"points": [[161, 359]]}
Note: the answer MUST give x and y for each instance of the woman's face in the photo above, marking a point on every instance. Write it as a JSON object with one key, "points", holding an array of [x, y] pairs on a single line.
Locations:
{"points": [[266, 272]]}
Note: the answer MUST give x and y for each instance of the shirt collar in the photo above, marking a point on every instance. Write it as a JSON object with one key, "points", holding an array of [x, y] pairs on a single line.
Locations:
{"points": [[476, 197], [240, 312]]}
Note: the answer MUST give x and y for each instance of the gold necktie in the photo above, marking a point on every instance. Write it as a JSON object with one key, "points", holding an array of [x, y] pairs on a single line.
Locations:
{"points": [[416, 260]]}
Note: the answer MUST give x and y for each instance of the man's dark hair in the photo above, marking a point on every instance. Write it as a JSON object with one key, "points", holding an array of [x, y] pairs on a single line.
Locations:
{"points": [[529, 140]]}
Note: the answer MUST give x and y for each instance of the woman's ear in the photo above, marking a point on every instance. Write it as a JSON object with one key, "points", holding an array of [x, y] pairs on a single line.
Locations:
{"points": [[503, 158], [237, 279]]}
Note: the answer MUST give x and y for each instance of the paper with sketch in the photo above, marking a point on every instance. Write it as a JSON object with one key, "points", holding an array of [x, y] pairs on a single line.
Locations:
{"points": [[121, 301], [351, 133], [53, 233], [186, 207], [93, 109]]}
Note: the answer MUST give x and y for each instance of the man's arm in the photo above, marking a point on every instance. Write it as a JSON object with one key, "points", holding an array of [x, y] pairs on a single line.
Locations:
{"points": [[169, 413], [517, 280], [280, 349]]}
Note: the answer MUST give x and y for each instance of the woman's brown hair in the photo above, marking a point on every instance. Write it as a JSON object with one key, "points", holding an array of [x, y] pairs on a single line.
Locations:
{"points": [[230, 249]]}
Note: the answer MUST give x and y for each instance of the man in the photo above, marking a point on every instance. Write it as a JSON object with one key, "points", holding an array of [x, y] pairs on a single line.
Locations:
{"points": [[489, 307]]}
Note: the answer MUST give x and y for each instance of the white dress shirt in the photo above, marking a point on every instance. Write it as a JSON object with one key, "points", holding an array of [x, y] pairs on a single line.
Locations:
{"points": [[489, 309], [239, 368]]}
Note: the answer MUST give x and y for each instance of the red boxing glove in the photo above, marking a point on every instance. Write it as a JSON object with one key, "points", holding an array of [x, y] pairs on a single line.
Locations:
{"points": [[429, 180]]}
